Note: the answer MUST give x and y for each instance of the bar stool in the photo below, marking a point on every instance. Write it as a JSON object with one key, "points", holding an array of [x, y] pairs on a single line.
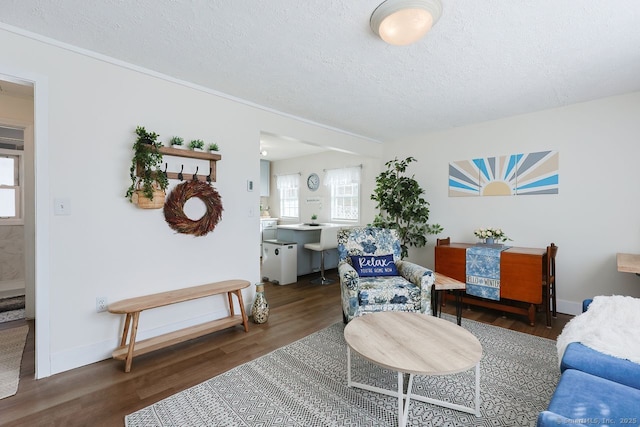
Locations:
{"points": [[328, 240]]}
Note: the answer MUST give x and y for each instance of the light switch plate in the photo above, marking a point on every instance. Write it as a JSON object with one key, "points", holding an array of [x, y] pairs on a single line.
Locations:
{"points": [[62, 206]]}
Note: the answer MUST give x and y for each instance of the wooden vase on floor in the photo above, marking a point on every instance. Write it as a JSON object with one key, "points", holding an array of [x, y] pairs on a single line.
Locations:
{"points": [[260, 308]]}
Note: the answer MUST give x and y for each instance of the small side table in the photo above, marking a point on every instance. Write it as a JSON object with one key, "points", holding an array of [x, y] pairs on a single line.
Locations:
{"points": [[446, 283]]}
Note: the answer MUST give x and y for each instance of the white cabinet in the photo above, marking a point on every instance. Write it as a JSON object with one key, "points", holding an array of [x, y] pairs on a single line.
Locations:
{"points": [[269, 228], [265, 168]]}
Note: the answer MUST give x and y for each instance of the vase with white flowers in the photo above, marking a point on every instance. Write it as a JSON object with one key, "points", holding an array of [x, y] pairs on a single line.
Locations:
{"points": [[491, 235]]}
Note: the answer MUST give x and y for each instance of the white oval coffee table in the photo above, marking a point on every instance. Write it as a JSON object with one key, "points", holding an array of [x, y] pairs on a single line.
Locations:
{"points": [[416, 344]]}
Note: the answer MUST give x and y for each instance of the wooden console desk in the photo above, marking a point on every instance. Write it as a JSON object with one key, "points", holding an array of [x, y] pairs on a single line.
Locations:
{"points": [[628, 263], [522, 272]]}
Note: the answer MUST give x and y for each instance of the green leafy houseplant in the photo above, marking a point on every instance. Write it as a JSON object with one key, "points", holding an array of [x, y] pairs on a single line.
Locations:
{"points": [[196, 143], [147, 160], [214, 147], [176, 140], [402, 205]]}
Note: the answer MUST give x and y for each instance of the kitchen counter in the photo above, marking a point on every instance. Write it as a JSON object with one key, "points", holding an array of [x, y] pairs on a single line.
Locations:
{"points": [[309, 261], [308, 227]]}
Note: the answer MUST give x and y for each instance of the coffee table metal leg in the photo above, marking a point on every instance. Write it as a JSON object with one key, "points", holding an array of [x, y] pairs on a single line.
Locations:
{"points": [[406, 403], [348, 366], [478, 390], [403, 409], [400, 396], [468, 409]]}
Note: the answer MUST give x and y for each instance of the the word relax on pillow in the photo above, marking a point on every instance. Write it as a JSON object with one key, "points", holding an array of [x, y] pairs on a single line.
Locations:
{"points": [[367, 265]]}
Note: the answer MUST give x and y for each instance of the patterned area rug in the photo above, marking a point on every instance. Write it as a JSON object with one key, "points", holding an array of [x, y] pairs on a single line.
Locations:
{"points": [[11, 308], [11, 347], [304, 384]]}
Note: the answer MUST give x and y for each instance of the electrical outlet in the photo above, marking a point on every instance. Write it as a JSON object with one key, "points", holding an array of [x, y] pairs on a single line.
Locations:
{"points": [[101, 304]]}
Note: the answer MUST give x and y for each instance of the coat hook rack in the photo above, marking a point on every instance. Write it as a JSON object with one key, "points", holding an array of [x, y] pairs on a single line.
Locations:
{"points": [[210, 158], [195, 175]]}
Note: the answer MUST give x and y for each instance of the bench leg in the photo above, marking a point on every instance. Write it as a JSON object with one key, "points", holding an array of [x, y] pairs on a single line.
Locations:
{"points": [[231, 310], [132, 340], [245, 319], [125, 331]]}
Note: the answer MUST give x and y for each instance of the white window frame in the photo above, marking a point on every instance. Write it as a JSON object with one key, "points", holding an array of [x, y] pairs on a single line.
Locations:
{"points": [[289, 192], [344, 185], [18, 219]]}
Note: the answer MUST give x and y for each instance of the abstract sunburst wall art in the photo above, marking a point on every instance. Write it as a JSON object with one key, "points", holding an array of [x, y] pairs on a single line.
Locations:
{"points": [[538, 173], [516, 174]]}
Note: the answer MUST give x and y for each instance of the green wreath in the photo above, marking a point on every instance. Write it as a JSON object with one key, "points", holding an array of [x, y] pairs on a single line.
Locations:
{"points": [[174, 208]]}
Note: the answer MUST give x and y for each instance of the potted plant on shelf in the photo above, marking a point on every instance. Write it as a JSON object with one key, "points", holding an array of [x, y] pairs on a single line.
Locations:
{"points": [[213, 148], [197, 145], [491, 235], [314, 217], [177, 142], [148, 181], [402, 205]]}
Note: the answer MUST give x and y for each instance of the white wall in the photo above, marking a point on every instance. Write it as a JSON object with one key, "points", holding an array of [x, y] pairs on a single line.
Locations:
{"points": [[318, 163], [594, 216], [107, 246]]}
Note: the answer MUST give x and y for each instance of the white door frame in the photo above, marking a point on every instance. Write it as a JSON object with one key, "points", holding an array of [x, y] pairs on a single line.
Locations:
{"points": [[42, 211]]}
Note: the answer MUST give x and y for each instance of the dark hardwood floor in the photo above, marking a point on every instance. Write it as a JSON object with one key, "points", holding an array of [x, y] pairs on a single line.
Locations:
{"points": [[101, 394]]}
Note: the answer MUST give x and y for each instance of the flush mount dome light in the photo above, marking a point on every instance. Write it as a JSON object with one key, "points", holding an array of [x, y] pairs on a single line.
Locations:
{"points": [[402, 22]]}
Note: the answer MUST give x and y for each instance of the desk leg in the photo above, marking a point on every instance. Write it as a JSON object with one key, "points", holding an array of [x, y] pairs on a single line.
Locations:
{"points": [[132, 341], [532, 315]]}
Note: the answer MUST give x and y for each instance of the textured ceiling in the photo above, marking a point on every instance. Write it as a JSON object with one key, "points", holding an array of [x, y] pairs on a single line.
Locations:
{"points": [[319, 60]]}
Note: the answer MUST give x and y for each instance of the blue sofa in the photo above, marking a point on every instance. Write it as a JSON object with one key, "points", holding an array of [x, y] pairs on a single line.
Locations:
{"points": [[594, 389]]}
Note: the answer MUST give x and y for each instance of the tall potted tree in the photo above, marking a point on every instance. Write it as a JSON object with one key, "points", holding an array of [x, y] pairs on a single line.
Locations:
{"points": [[148, 181], [402, 205]]}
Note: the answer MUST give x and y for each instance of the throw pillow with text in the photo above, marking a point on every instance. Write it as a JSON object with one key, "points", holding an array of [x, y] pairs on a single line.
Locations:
{"points": [[367, 265]]}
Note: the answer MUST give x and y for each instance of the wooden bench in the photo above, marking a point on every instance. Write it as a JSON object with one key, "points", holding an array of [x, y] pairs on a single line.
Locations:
{"points": [[132, 308]]}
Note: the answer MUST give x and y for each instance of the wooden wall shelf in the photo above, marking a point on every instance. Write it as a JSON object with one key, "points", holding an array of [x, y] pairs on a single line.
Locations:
{"points": [[200, 155]]}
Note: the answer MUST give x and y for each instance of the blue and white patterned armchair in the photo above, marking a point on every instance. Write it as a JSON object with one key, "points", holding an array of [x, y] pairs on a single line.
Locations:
{"points": [[410, 290]]}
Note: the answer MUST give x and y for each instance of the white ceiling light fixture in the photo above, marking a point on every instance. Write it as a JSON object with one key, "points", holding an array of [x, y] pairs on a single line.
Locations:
{"points": [[402, 22]]}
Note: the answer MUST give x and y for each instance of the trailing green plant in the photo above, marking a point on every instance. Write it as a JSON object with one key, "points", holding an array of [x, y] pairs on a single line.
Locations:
{"points": [[402, 205], [196, 143], [148, 160], [213, 147], [176, 140]]}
